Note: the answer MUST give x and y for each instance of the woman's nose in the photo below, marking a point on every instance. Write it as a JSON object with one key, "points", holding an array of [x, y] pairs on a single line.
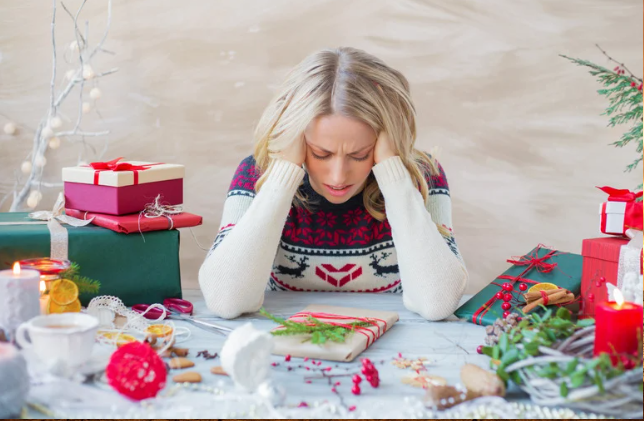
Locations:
{"points": [[339, 171]]}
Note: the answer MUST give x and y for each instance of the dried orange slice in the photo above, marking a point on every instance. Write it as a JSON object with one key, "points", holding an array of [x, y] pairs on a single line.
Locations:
{"points": [[159, 330], [63, 292], [121, 339], [544, 286], [73, 307]]}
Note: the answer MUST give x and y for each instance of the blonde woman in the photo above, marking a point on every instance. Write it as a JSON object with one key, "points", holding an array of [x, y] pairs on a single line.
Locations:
{"points": [[336, 197]]}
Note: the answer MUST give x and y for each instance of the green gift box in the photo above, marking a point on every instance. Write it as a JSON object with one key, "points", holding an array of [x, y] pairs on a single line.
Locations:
{"points": [[538, 266], [133, 268]]}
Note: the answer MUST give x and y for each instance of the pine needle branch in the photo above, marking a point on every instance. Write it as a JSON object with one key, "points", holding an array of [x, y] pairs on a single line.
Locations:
{"points": [[84, 284], [319, 331]]}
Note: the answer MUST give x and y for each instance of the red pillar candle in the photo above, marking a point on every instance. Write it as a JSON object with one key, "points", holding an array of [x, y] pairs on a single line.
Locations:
{"points": [[618, 327]]}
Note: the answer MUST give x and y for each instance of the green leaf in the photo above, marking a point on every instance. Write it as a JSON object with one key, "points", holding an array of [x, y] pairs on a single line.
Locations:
{"points": [[599, 383], [571, 367], [537, 318], [563, 389], [577, 379], [532, 348], [503, 342], [563, 313], [510, 357], [516, 377], [546, 315], [496, 352], [488, 350], [503, 374], [585, 322]]}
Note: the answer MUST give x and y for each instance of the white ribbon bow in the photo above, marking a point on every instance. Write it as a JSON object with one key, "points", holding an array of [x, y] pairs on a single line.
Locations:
{"points": [[54, 218]]}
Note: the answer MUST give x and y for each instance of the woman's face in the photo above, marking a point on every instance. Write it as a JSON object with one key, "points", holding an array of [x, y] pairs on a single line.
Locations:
{"points": [[339, 156]]}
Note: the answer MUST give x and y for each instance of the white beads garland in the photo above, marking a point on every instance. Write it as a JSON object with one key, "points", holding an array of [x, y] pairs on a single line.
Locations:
{"points": [[10, 128], [54, 142], [95, 93], [26, 167]]}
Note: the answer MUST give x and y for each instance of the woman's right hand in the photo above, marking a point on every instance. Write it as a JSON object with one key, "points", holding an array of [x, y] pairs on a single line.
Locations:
{"points": [[295, 152]]}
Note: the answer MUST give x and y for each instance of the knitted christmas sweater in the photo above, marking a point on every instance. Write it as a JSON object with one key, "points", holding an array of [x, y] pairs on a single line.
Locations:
{"points": [[266, 243]]}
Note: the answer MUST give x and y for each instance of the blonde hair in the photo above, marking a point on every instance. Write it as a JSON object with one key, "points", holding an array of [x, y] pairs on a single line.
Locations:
{"points": [[354, 84]]}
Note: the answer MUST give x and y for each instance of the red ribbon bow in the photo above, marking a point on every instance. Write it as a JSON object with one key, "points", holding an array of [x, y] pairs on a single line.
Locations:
{"points": [[634, 210], [115, 165]]}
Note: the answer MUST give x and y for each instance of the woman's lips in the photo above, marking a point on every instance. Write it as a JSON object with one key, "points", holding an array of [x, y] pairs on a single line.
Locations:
{"points": [[338, 192]]}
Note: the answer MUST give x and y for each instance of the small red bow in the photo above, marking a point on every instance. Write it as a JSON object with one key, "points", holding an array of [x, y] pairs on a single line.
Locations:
{"points": [[114, 165]]}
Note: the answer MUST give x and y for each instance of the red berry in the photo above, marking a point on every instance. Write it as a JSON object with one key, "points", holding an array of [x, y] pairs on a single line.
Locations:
{"points": [[633, 84], [506, 314], [507, 286], [519, 318], [333, 389], [355, 389], [479, 349], [352, 408], [506, 306], [591, 297], [598, 284], [287, 358], [366, 361], [639, 87], [356, 379], [365, 370], [507, 297], [523, 287], [368, 377], [602, 279], [375, 382], [499, 295]]}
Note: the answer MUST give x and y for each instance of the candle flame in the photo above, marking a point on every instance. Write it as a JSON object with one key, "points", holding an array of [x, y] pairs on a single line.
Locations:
{"points": [[619, 297], [16, 268], [43, 287]]}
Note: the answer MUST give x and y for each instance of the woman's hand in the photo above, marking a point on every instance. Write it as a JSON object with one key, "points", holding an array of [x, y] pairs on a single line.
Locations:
{"points": [[295, 152], [384, 148]]}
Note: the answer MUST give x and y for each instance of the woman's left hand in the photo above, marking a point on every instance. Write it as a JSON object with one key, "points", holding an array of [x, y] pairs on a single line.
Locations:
{"points": [[384, 148]]}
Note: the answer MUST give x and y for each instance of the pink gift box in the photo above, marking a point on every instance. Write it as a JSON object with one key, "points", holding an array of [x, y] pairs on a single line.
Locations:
{"points": [[121, 188]]}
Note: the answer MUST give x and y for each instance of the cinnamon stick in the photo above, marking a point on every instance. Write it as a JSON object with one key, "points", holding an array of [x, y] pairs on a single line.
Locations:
{"points": [[562, 297], [531, 296]]}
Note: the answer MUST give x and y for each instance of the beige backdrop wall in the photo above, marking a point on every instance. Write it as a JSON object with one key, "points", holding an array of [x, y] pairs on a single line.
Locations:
{"points": [[519, 128]]}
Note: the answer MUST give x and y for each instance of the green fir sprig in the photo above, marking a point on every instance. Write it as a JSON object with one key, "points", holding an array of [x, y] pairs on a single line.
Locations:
{"points": [[319, 332], [84, 284], [535, 331], [623, 90]]}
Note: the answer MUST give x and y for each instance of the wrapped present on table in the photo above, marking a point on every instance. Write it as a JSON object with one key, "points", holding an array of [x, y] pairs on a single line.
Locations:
{"points": [[620, 212], [155, 217], [120, 188], [601, 260], [376, 323], [537, 274], [127, 266]]}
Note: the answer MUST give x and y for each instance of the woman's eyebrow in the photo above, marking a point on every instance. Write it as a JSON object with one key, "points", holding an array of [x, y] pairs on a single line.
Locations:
{"points": [[352, 153]]}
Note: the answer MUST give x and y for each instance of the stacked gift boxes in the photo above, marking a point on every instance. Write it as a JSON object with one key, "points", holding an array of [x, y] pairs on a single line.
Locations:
{"points": [[621, 212], [119, 198]]}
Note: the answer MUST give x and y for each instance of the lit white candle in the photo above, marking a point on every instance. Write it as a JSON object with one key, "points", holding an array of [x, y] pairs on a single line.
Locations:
{"points": [[19, 297]]}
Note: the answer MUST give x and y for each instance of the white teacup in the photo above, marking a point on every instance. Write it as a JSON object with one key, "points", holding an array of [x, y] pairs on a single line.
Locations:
{"points": [[66, 338]]}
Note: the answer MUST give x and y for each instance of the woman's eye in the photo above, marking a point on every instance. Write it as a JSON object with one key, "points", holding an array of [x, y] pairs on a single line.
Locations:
{"points": [[362, 158], [320, 157]]}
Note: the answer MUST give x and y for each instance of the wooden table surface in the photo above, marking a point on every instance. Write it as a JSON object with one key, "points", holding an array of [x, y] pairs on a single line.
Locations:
{"points": [[447, 345]]}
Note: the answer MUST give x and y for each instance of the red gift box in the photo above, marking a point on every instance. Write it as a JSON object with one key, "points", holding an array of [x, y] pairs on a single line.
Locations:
{"points": [[121, 188], [128, 224], [601, 260]]}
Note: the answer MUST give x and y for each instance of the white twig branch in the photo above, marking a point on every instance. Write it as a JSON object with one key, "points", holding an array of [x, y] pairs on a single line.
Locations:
{"points": [[99, 46]]}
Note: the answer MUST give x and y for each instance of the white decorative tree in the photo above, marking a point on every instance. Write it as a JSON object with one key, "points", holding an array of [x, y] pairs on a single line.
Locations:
{"points": [[50, 130]]}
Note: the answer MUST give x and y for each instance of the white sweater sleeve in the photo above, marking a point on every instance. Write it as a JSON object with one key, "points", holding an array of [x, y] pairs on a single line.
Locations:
{"points": [[235, 273], [432, 272]]}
